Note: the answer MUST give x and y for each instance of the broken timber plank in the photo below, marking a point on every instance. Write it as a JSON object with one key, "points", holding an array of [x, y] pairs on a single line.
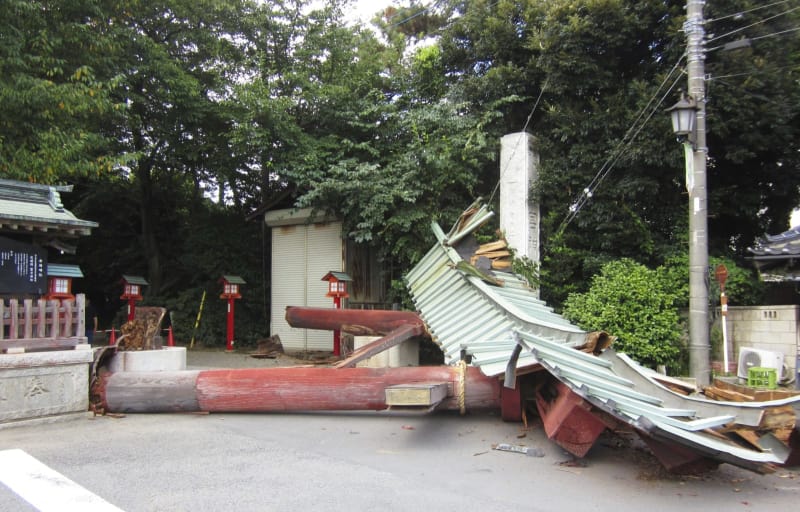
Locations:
{"points": [[491, 247], [568, 420], [392, 339]]}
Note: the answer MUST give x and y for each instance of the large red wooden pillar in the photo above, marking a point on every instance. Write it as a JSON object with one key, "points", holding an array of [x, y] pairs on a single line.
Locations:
{"points": [[288, 389]]}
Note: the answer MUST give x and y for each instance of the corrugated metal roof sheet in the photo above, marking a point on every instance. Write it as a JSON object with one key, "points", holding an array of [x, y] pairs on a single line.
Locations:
{"points": [[464, 312], [466, 315]]}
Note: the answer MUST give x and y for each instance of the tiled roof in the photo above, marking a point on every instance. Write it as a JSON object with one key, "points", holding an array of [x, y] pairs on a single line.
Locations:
{"points": [[783, 245], [36, 209]]}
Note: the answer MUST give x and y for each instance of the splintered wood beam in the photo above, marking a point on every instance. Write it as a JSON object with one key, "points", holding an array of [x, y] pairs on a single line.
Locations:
{"points": [[392, 339], [358, 322], [491, 246]]}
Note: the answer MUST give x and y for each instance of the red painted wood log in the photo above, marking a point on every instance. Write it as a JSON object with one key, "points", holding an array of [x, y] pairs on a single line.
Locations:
{"points": [[359, 322], [290, 389]]}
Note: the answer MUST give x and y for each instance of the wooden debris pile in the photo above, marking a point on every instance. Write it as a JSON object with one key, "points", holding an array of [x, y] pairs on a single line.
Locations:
{"points": [[142, 333], [268, 348], [778, 422], [494, 255]]}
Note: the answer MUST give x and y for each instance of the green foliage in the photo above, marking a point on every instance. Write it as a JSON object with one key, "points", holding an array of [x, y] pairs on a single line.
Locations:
{"points": [[54, 98], [742, 287], [150, 108], [634, 303]]}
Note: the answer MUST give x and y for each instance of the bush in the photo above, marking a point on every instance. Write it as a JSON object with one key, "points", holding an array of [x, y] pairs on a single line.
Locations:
{"points": [[637, 305]]}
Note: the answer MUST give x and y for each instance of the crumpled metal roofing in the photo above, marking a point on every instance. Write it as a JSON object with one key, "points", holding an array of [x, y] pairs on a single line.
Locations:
{"points": [[464, 312], [468, 316]]}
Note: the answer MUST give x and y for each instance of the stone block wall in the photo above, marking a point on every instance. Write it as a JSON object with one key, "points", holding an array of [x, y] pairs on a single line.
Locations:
{"points": [[773, 328], [44, 386]]}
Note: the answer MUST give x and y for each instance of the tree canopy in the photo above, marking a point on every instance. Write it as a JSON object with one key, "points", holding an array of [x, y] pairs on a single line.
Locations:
{"points": [[175, 118]]}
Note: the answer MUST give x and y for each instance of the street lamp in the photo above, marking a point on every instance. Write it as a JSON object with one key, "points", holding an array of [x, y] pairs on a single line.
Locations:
{"points": [[684, 115]]}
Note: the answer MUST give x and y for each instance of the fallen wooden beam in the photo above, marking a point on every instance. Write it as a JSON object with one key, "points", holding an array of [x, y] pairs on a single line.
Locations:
{"points": [[358, 322], [392, 339], [289, 389]]}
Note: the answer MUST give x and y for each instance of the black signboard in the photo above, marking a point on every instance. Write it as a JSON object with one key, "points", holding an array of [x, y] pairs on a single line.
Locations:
{"points": [[23, 268]]}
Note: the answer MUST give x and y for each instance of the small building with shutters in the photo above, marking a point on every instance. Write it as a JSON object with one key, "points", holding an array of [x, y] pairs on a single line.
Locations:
{"points": [[306, 246]]}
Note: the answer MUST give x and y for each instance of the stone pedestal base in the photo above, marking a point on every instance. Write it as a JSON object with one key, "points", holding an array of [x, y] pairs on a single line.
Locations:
{"points": [[44, 386], [164, 359], [404, 354]]}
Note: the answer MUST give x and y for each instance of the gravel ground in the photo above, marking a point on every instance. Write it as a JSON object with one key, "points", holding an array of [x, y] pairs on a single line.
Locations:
{"points": [[204, 359]]}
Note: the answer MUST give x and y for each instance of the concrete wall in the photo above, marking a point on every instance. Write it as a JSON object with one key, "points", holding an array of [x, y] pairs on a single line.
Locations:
{"points": [[773, 328]]}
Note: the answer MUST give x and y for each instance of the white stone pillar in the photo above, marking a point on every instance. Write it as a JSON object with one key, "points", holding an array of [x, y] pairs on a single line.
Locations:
{"points": [[519, 213]]}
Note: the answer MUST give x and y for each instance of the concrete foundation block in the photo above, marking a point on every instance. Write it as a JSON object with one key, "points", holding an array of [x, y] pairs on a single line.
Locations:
{"points": [[165, 359], [404, 354]]}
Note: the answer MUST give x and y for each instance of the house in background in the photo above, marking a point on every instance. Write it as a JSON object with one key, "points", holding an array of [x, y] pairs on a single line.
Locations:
{"points": [[777, 258], [774, 327]]}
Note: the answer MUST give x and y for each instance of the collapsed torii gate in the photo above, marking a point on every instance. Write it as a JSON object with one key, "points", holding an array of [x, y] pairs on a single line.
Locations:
{"points": [[498, 323], [339, 388]]}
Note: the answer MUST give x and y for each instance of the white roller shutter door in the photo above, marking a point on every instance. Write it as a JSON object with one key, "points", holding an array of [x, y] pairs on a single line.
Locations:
{"points": [[301, 255]]}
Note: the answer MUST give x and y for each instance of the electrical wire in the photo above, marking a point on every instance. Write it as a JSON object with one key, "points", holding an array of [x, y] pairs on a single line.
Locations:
{"points": [[753, 24], [415, 15], [750, 73], [630, 135], [742, 13], [514, 150]]}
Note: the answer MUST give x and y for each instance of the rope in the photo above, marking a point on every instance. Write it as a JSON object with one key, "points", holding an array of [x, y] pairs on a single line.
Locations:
{"points": [[462, 387]]}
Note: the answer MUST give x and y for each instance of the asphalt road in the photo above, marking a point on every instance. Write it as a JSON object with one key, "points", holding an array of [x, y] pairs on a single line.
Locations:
{"points": [[361, 461]]}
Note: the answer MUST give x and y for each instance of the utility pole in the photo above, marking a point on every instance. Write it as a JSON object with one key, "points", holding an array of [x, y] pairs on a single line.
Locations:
{"points": [[696, 153]]}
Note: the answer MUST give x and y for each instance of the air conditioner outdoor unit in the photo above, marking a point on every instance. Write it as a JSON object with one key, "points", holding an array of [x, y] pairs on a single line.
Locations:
{"points": [[753, 357]]}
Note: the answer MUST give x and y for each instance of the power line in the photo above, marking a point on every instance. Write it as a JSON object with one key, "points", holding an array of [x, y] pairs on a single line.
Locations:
{"points": [[514, 150], [415, 15], [739, 43], [630, 135], [750, 73], [753, 24], [742, 13]]}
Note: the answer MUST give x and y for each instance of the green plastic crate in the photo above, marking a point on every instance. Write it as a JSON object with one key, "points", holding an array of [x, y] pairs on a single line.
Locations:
{"points": [[758, 377]]}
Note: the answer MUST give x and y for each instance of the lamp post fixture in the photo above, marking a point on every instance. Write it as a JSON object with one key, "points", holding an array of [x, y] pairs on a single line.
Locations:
{"points": [[689, 124], [684, 115]]}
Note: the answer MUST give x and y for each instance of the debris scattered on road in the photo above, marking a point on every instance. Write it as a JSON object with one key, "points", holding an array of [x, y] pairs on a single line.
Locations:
{"points": [[516, 448]]}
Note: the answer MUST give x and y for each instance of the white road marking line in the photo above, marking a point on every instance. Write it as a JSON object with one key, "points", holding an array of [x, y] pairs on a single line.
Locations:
{"points": [[45, 488]]}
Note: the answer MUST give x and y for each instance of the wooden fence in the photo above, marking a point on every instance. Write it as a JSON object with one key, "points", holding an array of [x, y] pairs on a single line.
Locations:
{"points": [[31, 325]]}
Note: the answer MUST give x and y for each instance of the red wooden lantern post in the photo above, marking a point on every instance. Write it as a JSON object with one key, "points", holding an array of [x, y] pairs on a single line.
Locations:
{"points": [[59, 281], [132, 291], [337, 288], [230, 291]]}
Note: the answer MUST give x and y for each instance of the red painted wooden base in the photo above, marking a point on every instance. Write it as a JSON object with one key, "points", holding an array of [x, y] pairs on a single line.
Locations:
{"points": [[678, 459], [568, 421]]}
